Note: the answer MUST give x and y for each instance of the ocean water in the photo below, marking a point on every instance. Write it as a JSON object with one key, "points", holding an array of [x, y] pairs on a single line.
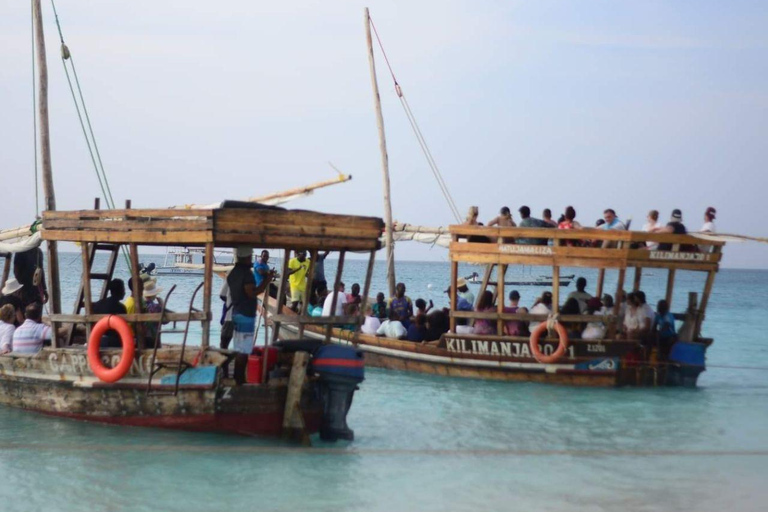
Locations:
{"points": [[432, 443]]}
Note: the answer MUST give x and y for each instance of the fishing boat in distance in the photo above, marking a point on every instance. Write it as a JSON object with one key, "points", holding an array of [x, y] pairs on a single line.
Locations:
{"points": [[550, 354], [475, 278], [293, 390]]}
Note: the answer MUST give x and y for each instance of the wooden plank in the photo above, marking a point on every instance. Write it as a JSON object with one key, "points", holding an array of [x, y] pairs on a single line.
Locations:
{"points": [[337, 230], [555, 289], [207, 292], [158, 213], [600, 282], [295, 242], [454, 278], [149, 225], [528, 317], [138, 237], [638, 277], [280, 300], [316, 320], [484, 284], [244, 217], [138, 327], [146, 317]]}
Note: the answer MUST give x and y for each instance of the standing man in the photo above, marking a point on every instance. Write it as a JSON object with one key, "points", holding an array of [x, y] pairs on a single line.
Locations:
{"points": [[261, 268], [244, 292], [318, 278], [401, 305], [297, 277]]}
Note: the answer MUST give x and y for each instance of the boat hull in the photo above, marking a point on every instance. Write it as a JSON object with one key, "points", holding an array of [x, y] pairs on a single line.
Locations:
{"points": [[54, 383]]}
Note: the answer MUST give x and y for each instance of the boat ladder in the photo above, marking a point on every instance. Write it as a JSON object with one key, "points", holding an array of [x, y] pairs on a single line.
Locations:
{"points": [[105, 277], [181, 365]]}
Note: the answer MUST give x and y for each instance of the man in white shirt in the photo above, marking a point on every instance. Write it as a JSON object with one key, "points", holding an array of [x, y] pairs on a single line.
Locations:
{"points": [[340, 302], [30, 336], [392, 328]]}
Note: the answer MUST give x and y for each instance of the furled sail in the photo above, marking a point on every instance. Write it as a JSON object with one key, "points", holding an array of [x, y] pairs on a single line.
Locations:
{"points": [[423, 234]]}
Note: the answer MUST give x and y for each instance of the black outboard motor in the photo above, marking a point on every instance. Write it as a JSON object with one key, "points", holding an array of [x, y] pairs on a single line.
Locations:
{"points": [[340, 369]]}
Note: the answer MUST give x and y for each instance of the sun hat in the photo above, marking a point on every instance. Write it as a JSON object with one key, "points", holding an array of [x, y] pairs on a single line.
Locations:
{"points": [[151, 289], [12, 286], [461, 282], [244, 251]]}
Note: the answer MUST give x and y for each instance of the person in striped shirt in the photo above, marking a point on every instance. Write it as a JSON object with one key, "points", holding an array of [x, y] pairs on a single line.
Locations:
{"points": [[30, 336]]}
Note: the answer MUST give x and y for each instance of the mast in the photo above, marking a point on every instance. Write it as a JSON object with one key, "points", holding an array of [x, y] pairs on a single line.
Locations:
{"points": [[384, 160], [45, 154]]}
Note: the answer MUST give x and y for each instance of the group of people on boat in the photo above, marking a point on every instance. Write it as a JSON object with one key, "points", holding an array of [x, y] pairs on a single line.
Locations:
{"points": [[567, 220], [22, 298]]}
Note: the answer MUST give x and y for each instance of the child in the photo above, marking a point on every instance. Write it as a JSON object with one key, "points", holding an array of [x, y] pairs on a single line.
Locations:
{"points": [[380, 308]]}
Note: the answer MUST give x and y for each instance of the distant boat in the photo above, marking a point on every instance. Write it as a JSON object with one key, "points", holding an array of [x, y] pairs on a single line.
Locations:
{"points": [[543, 280]]}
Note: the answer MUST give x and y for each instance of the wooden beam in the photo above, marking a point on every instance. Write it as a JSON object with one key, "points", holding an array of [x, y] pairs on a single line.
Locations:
{"points": [[452, 291], [670, 287], [613, 327], [704, 302], [555, 289], [143, 317], [280, 301], [600, 282], [86, 279], [334, 291], [484, 284], [501, 273], [293, 422], [384, 159], [207, 293], [638, 277], [138, 327]]}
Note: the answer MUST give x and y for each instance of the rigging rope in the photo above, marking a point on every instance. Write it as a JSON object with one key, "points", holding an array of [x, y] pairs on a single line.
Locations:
{"points": [[93, 148], [417, 131]]}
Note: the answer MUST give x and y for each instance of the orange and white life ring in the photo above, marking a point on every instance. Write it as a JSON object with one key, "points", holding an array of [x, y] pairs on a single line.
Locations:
{"points": [[561, 347], [107, 323]]}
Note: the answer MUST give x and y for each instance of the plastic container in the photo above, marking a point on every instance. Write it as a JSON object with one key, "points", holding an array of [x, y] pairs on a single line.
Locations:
{"points": [[255, 367]]}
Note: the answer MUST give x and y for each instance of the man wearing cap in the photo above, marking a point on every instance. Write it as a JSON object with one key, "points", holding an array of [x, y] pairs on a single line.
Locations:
{"points": [[11, 294], [297, 277], [675, 226], [242, 287]]}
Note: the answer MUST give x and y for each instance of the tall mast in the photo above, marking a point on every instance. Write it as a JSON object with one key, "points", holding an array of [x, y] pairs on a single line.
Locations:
{"points": [[384, 160], [45, 153]]}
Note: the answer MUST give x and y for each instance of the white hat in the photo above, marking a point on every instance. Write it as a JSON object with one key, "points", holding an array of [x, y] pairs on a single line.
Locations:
{"points": [[151, 289], [244, 251], [12, 286], [461, 282]]}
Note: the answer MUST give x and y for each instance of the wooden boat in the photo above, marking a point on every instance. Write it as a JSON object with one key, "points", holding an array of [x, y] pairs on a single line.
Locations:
{"points": [[180, 386], [612, 361], [538, 281]]}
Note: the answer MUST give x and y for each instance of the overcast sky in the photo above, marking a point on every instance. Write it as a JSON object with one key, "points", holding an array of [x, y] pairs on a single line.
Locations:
{"points": [[625, 104]]}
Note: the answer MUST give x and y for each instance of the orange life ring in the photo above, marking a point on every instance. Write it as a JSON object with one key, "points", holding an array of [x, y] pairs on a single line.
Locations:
{"points": [[561, 347], [115, 323]]}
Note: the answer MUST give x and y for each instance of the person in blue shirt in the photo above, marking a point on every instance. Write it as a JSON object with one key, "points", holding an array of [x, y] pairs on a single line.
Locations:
{"points": [[261, 268], [612, 221], [664, 329]]}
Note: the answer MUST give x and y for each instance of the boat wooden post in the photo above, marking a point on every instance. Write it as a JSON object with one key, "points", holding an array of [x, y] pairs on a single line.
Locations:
{"points": [[555, 289], [335, 296], [54, 291], [600, 283], [280, 300], [293, 419], [670, 287], [452, 292], [615, 326], [704, 301], [389, 235], [207, 292], [366, 288], [484, 284], [86, 277], [501, 274], [138, 327], [638, 277], [309, 290]]}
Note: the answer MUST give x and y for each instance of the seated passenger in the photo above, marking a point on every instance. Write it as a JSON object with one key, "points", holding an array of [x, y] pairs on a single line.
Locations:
{"points": [[607, 308], [674, 226], [524, 326], [504, 219], [401, 305], [612, 222], [546, 216], [529, 222], [392, 328], [30, 336], [371, 323], [664, 329], [634, 319], [569, 219], [111, 305], [709, 221], [341, 302], [463, 291], [463, 327], [485, 305], [650, 226], [422, 308], [437, 325], [418, 329], [472, 215], [543, 306], [11, 294], [380, 307], [354, 297], [570, 308], [7, 316], [580, 295], [594, 330], [512, 327]]}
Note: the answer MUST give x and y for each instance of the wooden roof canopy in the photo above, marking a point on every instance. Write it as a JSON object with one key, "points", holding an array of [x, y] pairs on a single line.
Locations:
{"points": [[624, 249], [233, 223]]}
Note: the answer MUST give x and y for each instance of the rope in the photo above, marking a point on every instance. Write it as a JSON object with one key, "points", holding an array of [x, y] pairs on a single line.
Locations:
{"points": [[34, 116], [417, 131], [87, 128]]}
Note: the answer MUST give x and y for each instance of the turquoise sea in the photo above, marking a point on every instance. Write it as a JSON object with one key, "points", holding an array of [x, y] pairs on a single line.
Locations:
{"points": [[429, 443]]}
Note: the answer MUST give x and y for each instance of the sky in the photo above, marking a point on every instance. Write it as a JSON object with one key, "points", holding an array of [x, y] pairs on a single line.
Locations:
{"points": [[632, 105]]}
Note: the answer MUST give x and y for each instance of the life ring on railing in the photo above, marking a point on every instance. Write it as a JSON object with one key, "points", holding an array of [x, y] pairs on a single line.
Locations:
{"points": [[108, 323], [561, 347]]}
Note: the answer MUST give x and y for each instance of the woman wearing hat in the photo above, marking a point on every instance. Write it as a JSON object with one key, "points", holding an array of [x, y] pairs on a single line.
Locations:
{"points": [[11, 294]]}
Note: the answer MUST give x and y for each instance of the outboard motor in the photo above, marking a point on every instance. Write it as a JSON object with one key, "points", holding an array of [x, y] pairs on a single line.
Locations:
{"points": [[688, 361], [340, 369]]}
